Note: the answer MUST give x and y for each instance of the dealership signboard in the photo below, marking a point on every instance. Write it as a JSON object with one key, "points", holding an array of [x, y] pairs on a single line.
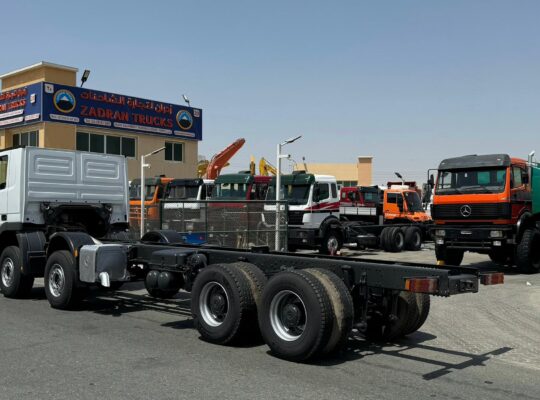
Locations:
{"points": [[73, 105], [20, 106]]}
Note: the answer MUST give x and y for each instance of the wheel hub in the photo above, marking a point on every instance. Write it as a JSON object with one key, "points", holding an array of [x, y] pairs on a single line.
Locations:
{"points": [[291, 316], [57, 280], [288, 315], [332, 244], [213, 304], [217, 303], [8, 269]]}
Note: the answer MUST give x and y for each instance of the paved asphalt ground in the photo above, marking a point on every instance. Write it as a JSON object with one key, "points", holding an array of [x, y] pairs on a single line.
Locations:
{"points": [[128, 346]]}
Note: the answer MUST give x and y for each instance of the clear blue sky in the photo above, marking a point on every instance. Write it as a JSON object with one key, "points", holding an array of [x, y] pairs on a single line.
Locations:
{"points": [[408, 82]]}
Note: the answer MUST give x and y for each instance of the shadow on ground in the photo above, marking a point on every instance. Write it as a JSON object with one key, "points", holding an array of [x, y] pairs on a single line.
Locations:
{"points": [[359, 348]]}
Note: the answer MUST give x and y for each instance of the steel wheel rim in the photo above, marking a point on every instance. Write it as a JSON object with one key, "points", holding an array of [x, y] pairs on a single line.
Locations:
{"points": [[57, 280], [214, 304], [288, 316], [8, 270], [332, 244]]}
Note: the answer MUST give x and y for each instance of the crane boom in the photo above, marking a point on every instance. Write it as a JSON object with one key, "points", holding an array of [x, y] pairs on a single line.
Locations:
{"points": [[220, 160], [265, 168]]}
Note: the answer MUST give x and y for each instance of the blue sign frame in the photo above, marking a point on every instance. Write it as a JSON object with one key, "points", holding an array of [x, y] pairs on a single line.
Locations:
{"points": [[21, 106], [93, 108]]}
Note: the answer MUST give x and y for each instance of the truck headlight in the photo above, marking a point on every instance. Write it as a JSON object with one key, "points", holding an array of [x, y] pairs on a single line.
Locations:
{"points": [[440, 232], [496, 234]]}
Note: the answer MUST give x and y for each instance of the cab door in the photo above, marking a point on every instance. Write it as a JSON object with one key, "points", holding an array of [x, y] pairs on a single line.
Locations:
{"points": [[3, 188], [520, 194]]}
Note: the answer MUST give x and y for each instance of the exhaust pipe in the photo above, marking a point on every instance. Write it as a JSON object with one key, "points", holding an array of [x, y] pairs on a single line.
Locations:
{"points": [[105, 279]]}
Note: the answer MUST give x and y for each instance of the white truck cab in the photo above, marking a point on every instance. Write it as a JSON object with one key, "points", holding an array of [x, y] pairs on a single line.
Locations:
{"points": [[313, 215], [58, 201]]}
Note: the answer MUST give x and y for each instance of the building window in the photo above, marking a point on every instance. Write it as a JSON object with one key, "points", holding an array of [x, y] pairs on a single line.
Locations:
{"points": [[3, 171], [128, 147], [96, 143], [26, 139], [174, 151], [113, 144], [347, 183]]}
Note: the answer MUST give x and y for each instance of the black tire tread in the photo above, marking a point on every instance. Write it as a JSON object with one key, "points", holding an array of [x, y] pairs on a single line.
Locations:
{"points": [[23, 283], [342, 306], [524, 252], [409, 233], [246, 304]]}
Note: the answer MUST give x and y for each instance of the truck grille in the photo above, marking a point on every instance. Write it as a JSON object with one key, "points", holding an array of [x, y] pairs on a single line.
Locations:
{"points": [[295, 217], [471, 211]]}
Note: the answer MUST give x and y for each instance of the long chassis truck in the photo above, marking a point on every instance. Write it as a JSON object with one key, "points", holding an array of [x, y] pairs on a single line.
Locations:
{"points": [[303, 306]]}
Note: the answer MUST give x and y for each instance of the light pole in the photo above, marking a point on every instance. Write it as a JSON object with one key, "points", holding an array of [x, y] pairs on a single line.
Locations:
{"points": [[143, 166], [279, 156]]}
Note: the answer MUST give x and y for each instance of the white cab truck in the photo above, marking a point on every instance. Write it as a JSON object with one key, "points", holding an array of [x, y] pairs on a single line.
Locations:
{"points": [[51, 202]]}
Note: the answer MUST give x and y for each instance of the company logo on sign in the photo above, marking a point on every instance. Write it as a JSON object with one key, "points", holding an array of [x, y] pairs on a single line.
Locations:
{"points": [[64, 101], [184, 120]]}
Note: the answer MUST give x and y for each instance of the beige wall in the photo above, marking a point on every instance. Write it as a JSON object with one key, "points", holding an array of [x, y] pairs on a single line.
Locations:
{"points": [[361, 172], [41, 74], [365, 171]]}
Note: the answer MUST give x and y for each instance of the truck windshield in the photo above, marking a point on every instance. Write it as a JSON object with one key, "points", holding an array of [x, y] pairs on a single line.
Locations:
{"points": [[233, 191], [413, 201], [183, 192], [135, 192], [294, 194], [478, 181]]}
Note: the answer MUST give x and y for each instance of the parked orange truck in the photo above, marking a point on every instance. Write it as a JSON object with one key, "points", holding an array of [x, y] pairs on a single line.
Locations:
{"points": [[483, 204], [154, 191]]}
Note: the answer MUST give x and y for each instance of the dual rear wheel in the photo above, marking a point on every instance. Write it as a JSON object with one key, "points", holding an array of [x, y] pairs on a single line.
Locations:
{"points": [[300, 314]]}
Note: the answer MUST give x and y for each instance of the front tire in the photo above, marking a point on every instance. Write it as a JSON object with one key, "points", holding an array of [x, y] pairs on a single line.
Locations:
{"points": [[332, 242], [449, 256], [60, 281], [13, 283], [528, 252]]}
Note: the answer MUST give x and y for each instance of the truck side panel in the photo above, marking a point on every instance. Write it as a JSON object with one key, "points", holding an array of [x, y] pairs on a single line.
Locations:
{"points": [[75, 178]]}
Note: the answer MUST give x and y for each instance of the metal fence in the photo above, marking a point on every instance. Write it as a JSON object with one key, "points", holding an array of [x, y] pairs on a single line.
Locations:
{"points": [[237, 224]]}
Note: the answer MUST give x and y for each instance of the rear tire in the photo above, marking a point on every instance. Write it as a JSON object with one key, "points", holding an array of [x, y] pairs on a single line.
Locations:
{"points": [[413, 238], [13, 283], [342, 306], [528, 252], [222, 304], [449, 256], [423, 304], [395, 240], [296, 317], [407, 311], [383, 238]]}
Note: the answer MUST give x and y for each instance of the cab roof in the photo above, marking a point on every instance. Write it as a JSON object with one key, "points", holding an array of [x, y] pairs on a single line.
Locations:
{"points": [[186, 182], [476, 161]]}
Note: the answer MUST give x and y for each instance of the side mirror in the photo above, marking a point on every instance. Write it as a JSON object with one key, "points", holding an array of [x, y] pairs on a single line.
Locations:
{"points": [[316, 194], [431, 181]]}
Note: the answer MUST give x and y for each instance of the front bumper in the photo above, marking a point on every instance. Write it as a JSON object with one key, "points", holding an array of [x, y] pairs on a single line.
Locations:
{"points": [[473, 237], [299, 237]]}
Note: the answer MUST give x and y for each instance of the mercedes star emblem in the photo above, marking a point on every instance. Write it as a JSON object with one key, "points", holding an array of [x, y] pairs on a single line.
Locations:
{"points": [[465, 210]]}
